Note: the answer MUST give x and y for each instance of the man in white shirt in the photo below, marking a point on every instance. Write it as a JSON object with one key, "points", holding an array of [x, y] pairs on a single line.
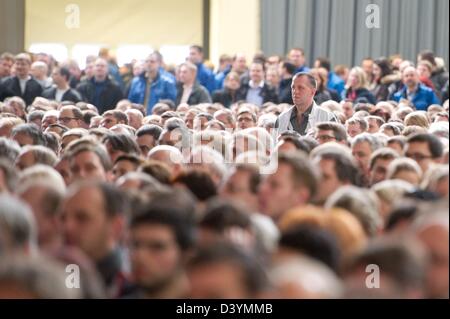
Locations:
{"points": [[22, 84], [188, 90], [61, 91]]}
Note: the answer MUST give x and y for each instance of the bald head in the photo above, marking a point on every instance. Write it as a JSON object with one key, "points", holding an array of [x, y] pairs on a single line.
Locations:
{"points": [[410, 77]]}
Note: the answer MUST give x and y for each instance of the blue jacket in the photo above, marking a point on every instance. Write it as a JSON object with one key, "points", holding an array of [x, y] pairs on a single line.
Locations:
{"points": [[206, 77], [423, 98], [220, 77], [161, 88], [335, 83], [303, 68]]}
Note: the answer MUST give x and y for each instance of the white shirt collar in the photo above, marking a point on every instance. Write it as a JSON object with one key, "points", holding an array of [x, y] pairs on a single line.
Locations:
{"points": [[253, 86]]}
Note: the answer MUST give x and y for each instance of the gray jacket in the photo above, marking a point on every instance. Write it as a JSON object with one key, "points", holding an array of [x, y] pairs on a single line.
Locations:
{"points": [[317, 115]]}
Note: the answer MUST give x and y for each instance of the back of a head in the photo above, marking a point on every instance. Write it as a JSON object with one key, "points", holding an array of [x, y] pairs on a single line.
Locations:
{"points": [[362, 203], [34, 278], [17, 226]]}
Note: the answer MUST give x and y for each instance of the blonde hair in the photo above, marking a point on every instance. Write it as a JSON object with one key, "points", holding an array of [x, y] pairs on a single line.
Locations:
{"points": [[361, 76], [418, 118], [342, 224]]}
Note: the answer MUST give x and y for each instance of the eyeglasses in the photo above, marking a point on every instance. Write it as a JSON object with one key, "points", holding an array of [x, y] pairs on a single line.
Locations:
{"points": [[66, 119], [325, 138], [418, 157]]}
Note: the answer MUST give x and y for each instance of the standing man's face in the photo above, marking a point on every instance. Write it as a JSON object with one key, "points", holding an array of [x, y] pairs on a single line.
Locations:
{"points": [[22, 68], [240, 64], [152, 64], [5, 67], [57, 78], [195, 56], [302, 92], [367, 66], [297, 58], [257, 72], [186, 75], [100, 69], [410, 77]]}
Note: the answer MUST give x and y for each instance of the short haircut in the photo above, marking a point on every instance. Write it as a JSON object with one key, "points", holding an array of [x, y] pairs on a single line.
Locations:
{"points": [[252, 273], [97, 149], [403, 164], [373, 142], [311, 79], [9, 149], [400, 260], [390, 126], [122, 142], [298, 143], [32, 131], [399, 139], [158, 170], [384, 153], [303, 172], [220, 215], [114, 200], [179, 220], [362, 203], [380, 121], [338, 129], [346, 169], [34, 115], [41, 154], [75, 110], [64, 72], [118, 115], [199, 182], [434, 144], [312, 241], [190, 66], [362, 122], [197, 47], [17, 222], [136, 160], [150, 129], [324, 63]]}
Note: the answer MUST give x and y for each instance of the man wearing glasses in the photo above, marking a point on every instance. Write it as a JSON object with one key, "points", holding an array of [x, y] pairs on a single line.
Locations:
{"points": [[331, 132], [70, 116], [425, 149]]}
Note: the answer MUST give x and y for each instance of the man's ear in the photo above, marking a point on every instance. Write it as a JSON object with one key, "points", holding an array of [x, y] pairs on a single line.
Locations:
{"points": [[303, 195], [109, 176], [118, 227]]}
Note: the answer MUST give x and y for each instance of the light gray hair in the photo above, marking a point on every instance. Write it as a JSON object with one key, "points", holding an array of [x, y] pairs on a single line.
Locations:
{"points": [[18, 223]]}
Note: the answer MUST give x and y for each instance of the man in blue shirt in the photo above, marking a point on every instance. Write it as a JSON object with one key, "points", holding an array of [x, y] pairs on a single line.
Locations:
{"points": [[204, 75], [297, 57], [419, 95], [152, 86]]}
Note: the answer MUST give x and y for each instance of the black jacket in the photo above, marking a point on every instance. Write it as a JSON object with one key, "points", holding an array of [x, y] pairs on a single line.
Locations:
{"points": [[70, 95], [109, 96], [285, 93], [224, 97], [198, 95], [267, 93], [11, 87]]}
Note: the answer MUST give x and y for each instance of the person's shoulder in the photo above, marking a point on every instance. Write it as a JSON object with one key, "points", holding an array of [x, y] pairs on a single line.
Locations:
{"points": [[8, 80], [49, 91], [286, 112], [426, 89]]}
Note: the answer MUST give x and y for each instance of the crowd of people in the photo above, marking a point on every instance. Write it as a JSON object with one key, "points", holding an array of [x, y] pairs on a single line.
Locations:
{"points": [[256, 179]]}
